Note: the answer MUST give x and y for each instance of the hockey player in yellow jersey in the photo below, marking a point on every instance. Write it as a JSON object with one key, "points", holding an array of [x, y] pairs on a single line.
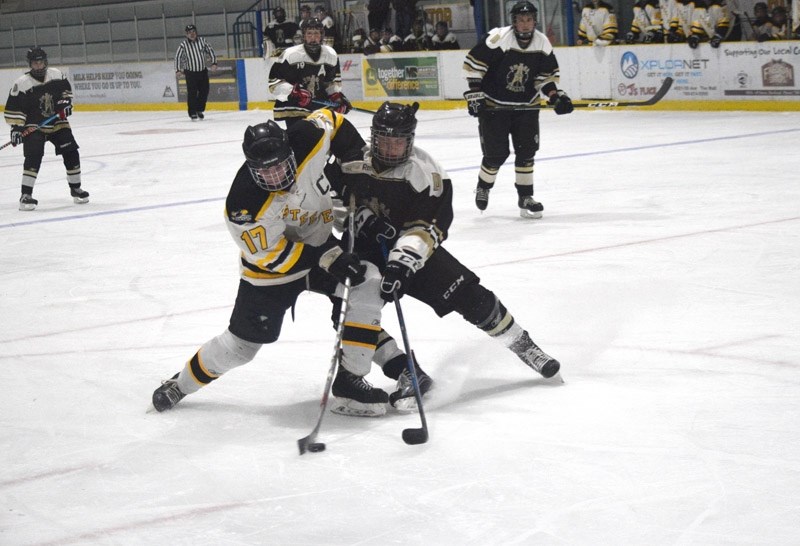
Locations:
{"points": [[279, 211]]}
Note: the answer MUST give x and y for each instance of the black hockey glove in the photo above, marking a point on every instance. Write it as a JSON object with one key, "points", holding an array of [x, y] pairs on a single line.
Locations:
{"points": [[476, 101], [16, 134], [396, 278], [693, 41], [561, 103], [656, 37], [764, 37], [64, 107], [630, 38], [372, 228], [300, 96], [342, 265], [716, 39], [341, 100], [673, 37]]}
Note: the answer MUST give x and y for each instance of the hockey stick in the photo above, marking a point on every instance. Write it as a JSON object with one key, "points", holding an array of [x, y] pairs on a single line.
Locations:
{"points": [[30, 130], [308, 443], [412, 436], [598, 104], [331, 104]]}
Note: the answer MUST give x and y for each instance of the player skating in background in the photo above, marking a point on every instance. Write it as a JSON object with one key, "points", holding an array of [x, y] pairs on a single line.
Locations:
{"points": [[38, 95], [506, 73]]}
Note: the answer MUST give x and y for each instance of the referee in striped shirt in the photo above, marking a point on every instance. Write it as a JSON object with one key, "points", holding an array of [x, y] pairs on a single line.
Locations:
{"points": [[190, 61]]}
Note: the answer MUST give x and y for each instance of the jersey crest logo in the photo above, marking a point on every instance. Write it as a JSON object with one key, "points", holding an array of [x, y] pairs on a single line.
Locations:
{"points": [[47, 104], [241, 216], [517, 77]]}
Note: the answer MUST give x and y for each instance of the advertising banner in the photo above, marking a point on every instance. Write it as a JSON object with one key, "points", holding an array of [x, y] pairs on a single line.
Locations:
{"points": [[400, 77], [734, 71], [123, 84], [222, 83]]}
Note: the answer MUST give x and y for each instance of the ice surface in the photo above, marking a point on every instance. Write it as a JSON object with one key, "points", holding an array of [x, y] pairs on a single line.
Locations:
{"points": [[664, 276]]}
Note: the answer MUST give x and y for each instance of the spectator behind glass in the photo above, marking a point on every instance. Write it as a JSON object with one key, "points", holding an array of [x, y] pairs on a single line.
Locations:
{"points": [[598, 26], [443, 38], [378, 13], [646, 26], [418, 40]]}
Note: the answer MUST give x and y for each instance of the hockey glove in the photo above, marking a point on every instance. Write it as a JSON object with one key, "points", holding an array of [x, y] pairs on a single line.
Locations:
{"points": [[673, 37], [396, 278], [341, 100], [300, 96], [630, 38], [342, 265], [16, 134], [476, 101], [561, 103], [716, 39], [693, 41], [64, 107], [372, 228]]}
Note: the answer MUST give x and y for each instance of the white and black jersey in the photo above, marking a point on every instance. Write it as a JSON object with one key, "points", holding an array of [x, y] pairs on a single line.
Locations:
{"points": [[282, 34], [192, 55], [510, 75], [416, 197], [321, 76], [31, 101], [448, 41]]}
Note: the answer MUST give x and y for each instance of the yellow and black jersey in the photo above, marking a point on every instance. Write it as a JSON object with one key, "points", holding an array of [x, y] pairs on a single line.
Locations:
{"points": [[510, 75], [31, 101], [321, 76], [282, 234], [416, 197]]}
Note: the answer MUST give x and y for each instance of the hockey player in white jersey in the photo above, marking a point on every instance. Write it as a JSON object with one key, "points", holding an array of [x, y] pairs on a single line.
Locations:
{"points": [[305, 73], [279, 212]]}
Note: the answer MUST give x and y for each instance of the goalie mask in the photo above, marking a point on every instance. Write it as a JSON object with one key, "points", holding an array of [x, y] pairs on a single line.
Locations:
{"points": [[269, 156], [521, 14], [37, 54], [393, 127]]}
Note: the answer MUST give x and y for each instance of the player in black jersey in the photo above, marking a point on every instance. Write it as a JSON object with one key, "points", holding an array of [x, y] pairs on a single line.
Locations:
{"points": [[305, 73], [404, 200], [35, 97], [507, 71]]}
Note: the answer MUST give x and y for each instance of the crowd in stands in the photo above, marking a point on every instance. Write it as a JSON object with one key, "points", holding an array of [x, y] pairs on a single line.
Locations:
{"points": [[653, 21]]}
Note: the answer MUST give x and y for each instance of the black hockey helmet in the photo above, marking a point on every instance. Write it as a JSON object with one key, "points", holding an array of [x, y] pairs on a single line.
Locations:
{"points": [[312, 48], [37, 54], [280, 14], [390, 122], [269, 156], [523, 8]]}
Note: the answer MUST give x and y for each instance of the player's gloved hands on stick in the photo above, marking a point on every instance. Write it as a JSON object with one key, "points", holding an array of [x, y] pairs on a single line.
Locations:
{"points": [[693, 41], [300, 96], [476, 101], [396, 278], [342, 265], [64, 107], [16, 134], [341, 100], [561, 103], [715, 40], [371, 227]]}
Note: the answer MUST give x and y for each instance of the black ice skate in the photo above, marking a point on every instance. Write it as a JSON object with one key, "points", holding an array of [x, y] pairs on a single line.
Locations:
{"points": [[79, 196], [481, 198], [354, 396], [26, 202], [529, 207], [168, 394], [533, 356], [403, 398]]}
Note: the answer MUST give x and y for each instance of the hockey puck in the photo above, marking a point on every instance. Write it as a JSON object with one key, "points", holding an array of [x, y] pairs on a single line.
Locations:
{"points": [[316, 447]]}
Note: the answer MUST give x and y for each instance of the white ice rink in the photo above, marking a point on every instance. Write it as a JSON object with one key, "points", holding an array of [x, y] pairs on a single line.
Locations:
{"points": [[665, 276]]}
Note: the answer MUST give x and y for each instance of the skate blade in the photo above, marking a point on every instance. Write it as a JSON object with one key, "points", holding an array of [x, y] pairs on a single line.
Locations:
{"points": [[80, 200], [406, 405], [525, 213], [346, 406]]}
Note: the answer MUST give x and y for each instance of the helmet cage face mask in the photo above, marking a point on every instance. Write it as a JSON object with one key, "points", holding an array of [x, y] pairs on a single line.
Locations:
{"points": [[269, 158], [523, 8], [311, 25], [37, 54], [392, 133], [277, 177]]}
